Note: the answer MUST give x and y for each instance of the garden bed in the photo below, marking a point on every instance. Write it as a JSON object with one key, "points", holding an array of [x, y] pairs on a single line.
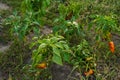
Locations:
{"points": [[66, 41]]}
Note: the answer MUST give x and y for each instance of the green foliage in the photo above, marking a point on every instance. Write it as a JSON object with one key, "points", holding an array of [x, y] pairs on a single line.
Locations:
{"points": [[22, 26], [81, 52], [69, 29], [80, 32], [29, 20], [51, 48], [38, 7], [103, 25]]}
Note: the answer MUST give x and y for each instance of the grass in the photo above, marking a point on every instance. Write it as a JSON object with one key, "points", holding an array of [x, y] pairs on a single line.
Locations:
{"points": [[14, 59]]}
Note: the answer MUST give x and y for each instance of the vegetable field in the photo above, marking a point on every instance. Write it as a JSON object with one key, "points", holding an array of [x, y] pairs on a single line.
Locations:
{"points": [[59, 40]]}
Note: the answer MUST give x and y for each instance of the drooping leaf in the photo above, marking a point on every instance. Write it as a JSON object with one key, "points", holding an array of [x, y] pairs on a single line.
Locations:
{"points": [[57, 59], [56, 51]]}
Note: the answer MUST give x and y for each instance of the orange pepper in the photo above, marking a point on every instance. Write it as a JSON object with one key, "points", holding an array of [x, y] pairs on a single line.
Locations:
{"points": [[90, 72], [41, 65], [112, 46]]}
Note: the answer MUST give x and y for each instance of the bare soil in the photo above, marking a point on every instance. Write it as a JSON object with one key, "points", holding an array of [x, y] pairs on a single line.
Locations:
{"points": [[4, 6]]}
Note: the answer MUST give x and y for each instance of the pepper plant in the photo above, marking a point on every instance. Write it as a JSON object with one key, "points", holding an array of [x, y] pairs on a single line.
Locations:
{"points": [[53, 48], [28, 19], [84, 57], [103, 25]]}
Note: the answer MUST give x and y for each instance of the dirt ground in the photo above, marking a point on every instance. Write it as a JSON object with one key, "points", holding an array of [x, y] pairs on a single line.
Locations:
{"points": [[3, 6], [3, 46]]}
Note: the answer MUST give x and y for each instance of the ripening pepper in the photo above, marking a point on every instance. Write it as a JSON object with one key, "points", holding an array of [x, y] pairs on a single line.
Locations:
{"points": [[112, 46], [90, 72], [41, 65]]}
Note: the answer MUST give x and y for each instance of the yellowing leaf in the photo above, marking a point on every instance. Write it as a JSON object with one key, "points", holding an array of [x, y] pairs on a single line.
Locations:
{"points": [[88, 59]]}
